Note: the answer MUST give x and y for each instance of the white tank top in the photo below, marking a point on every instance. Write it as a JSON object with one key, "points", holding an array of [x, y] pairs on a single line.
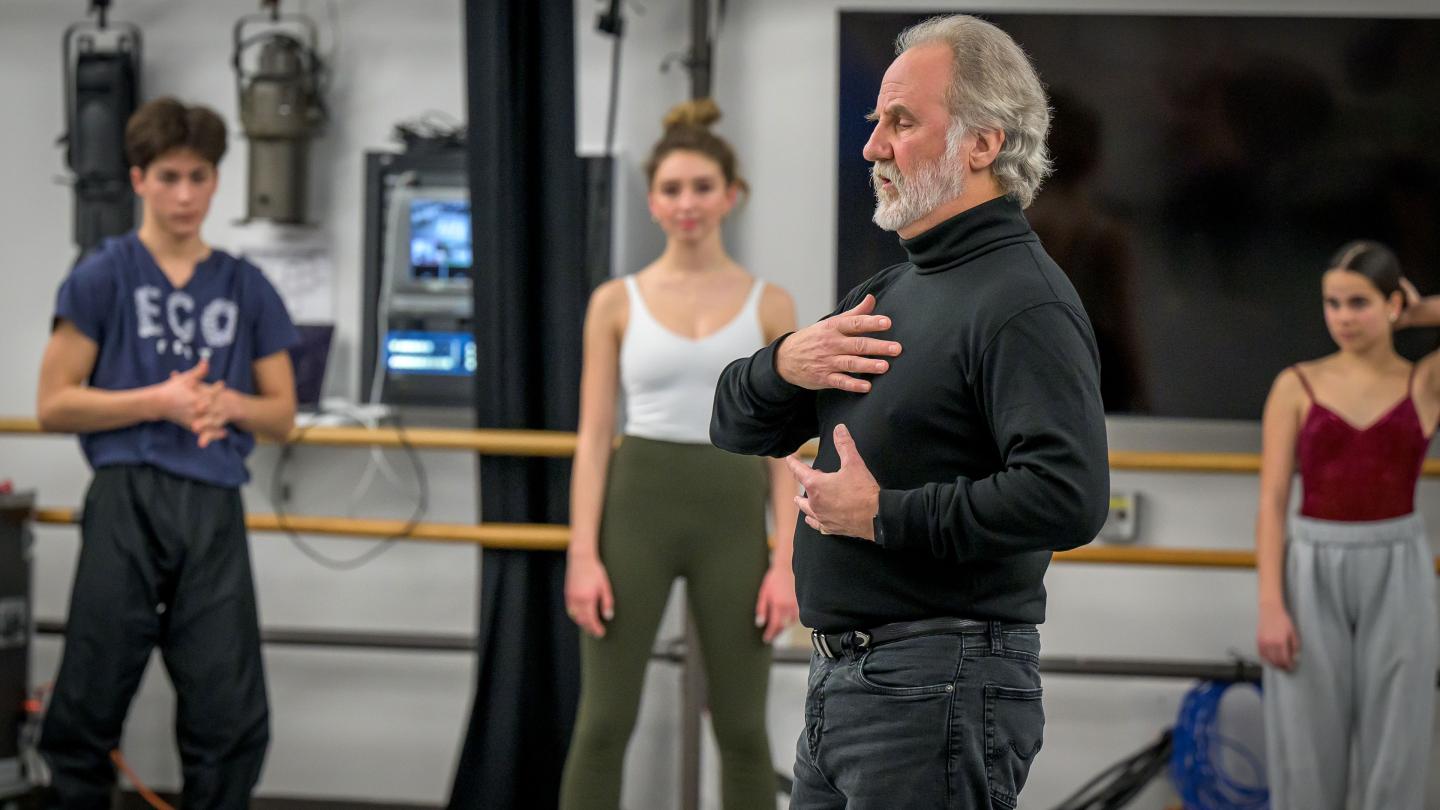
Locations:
{"points": [[669, 380]]}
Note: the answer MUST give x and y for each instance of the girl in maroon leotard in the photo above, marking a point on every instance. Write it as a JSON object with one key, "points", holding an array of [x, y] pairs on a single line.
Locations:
{"points": [[1348, 626]]}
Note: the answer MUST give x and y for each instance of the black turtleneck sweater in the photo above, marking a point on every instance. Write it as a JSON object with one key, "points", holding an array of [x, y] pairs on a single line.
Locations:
{"points": [[987, 435]]}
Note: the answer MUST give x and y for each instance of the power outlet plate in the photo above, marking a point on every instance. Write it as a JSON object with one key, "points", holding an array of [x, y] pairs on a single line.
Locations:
{"points": [[1122, 524]]}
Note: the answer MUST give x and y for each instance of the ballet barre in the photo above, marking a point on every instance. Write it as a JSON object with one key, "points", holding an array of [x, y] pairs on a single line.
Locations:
{"points": [[561, 444]]}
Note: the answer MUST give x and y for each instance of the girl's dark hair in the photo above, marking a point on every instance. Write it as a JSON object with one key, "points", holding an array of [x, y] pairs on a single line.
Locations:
{"points": [[165, 124], [1373, 261], [687, 129]]}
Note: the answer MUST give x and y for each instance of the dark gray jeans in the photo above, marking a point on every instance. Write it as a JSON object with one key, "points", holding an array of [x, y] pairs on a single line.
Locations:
{"points": [[940, 721]]}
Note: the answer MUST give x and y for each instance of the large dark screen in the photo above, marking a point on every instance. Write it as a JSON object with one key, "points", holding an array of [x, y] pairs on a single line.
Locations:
{"points": [[1206, 169]]}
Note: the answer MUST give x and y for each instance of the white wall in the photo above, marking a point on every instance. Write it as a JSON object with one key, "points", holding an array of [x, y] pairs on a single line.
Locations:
{"points": [[776, 81], [372, 725]]}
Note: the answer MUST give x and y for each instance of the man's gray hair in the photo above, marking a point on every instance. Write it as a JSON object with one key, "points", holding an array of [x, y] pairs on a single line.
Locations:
{"points": [[992, 86]]}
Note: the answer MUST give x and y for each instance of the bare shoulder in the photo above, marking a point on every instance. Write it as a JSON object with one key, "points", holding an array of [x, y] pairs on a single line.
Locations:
{"points": [[609, 305], [609, 296], [777, 311], [1288, 390], [1312, 372], [776, 300], [1285, 407], [1287, 379]]}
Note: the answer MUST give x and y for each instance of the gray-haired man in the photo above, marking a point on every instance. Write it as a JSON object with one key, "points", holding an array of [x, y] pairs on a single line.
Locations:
{"points": [[948, 472]]}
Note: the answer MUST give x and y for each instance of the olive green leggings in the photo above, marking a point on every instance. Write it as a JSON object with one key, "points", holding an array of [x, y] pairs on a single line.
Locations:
{"points": [[678, 510]]}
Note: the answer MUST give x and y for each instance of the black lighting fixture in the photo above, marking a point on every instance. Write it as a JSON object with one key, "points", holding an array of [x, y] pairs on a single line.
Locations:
{"points": [[102, 89]]}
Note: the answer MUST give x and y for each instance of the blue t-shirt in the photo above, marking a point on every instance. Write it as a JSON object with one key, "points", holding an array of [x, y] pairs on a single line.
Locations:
{"points": [[146, 328]]}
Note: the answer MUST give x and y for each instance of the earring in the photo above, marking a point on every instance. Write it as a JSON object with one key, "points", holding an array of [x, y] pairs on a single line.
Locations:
{"points": [[1394, 317]]}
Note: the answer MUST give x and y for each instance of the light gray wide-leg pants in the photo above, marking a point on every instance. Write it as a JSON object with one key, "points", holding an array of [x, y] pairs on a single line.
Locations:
{"points": [[1362, 596]]}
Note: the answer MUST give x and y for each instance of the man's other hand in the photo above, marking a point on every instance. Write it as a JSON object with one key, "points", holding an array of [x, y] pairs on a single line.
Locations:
{"points": [[843, 502]]}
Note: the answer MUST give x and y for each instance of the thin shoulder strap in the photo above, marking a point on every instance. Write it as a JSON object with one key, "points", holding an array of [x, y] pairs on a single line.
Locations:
{"points": [[753, 299], [1298, 373], [637, 301]]}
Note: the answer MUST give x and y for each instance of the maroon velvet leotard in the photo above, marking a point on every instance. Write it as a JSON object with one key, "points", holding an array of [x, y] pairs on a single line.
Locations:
{"points": [[1353, 474]]}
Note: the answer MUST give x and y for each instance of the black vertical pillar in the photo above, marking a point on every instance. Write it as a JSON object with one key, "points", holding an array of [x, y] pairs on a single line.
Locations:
{"points": [[700, 52], [530, 288]]}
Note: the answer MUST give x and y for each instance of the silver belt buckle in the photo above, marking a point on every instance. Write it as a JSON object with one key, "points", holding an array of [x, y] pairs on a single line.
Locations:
{"points": [[817, 640]]}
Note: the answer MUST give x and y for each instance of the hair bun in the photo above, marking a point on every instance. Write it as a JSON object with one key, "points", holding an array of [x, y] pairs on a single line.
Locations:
{"points": [[698, 113]]}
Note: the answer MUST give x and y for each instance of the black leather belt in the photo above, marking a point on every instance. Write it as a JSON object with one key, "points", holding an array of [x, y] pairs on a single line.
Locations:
{"points": [[834, 645]]}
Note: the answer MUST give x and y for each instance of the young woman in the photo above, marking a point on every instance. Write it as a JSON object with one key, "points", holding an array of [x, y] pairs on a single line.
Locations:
{"points": [[1348, 624], [666, 503]]}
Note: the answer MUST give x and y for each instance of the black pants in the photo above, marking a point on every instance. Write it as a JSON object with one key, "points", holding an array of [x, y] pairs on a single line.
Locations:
{"points": [[163, 562]]}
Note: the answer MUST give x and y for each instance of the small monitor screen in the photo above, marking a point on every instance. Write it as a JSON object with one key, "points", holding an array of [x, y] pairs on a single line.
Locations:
{"points": [[450, 354], [439, 240]]}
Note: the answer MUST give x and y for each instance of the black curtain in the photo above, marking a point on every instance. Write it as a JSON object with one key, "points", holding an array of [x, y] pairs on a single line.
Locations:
{"points": [[526, 186]]}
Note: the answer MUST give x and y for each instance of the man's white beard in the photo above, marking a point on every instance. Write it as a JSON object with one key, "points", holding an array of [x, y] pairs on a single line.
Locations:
{"points": [[911, 198]]}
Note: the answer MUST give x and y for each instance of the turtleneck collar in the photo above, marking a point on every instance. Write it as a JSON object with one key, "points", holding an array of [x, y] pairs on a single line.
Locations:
{"points": [[982, 228]]}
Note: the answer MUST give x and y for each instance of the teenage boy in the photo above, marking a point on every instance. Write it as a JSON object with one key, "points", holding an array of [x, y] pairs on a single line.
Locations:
{"points": [[167, 357]]}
